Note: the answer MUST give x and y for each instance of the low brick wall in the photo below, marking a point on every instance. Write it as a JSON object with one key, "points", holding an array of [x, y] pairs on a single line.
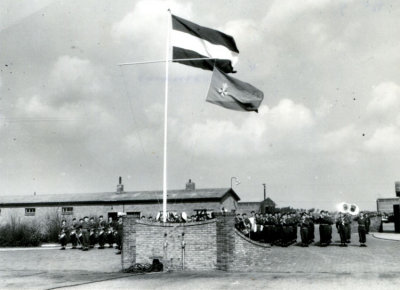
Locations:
{"points": [[209, 245], [144, 241]]}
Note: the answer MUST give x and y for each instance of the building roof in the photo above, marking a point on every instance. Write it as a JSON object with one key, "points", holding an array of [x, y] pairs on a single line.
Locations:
{"points": [[388, 199], [210, 194]]}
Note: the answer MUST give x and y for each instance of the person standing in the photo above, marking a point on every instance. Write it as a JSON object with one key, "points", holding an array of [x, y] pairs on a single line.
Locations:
{"points": [[79, 233], [362, 229], [110, 232], [311, 228], [101, 231], [118, 237], [347, 226], [340, 225], [63, 236], [73, 233], [85, 227], [92, 232], [325, 228], [304, 225]]}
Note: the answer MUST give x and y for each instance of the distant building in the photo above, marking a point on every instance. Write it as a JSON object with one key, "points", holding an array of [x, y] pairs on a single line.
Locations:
{"points": [[108, 204], [385, 205], [265, 206]]}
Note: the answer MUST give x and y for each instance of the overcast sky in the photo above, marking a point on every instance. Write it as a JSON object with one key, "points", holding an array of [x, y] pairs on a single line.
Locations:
{"points": [[328, 130]]}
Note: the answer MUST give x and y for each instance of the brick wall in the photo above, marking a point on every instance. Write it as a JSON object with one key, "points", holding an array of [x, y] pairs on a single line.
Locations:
{"points": [[144, 241], [249, 254], [209, 245]]}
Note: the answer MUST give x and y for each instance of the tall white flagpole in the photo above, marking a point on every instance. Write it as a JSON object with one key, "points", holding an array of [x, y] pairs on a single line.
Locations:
{"points": [[166, 121]]}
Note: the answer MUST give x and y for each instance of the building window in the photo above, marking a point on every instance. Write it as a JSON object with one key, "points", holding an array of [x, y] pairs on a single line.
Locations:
{"points": [[30, 211], [136, 214], [67, 210]]}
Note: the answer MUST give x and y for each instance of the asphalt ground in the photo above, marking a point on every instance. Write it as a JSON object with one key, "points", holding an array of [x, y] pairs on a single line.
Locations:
{"points": [[374, 267]]}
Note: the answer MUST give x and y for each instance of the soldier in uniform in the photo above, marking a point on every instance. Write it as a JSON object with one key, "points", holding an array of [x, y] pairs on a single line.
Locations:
{"points": [[118, 235], [295, 221], [92, 232], [311, 228], [101, 232], [325, 228], [73, 233], [347, 226], [362, 229], [79, 233], [85, 227], [110, 232], [341, 228], [63, 236], [304, 225]]}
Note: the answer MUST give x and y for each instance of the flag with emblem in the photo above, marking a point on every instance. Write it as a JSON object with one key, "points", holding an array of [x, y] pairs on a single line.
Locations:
{"points": [[233, 94], [191, 42]]}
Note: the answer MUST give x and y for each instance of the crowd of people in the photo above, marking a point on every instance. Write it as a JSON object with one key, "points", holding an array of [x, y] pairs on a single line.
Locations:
{"points": [[281, 229], [174, 217], [85, 233]]}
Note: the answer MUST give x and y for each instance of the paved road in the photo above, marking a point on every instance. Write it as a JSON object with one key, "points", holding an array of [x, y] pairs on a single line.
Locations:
{"points": [[333, 267], [40, 268]]}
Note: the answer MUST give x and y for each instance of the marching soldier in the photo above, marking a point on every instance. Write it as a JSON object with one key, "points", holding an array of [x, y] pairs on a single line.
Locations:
{"points": [[92, 232], [101, 231], [362, 229], [63, 234], [341, 227], [73, 233], [110, 232]]}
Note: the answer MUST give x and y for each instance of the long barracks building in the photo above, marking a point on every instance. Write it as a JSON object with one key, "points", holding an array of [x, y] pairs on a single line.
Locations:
{"points": [[137, 203]]}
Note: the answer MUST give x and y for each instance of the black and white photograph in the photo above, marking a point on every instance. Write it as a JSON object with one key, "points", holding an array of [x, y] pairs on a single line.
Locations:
{"points": [[225, 144]]}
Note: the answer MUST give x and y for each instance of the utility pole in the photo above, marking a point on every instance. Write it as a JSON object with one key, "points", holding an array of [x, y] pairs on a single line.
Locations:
{"points": [[265, 191]]}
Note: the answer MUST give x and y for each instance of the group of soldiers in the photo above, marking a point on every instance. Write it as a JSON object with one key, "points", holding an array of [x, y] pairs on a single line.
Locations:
{"points": [[86, 232], [281, 228]]}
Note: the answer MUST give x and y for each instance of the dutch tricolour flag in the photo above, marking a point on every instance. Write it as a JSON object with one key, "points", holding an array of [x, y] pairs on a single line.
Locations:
{"points": [[190, 40]]}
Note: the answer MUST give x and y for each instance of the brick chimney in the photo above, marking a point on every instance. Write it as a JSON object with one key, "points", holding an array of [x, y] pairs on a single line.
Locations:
{"points": [[120, 186], [190, 185]]}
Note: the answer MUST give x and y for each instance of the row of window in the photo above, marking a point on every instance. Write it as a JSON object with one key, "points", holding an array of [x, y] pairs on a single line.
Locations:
{"points": [[31, 211]]}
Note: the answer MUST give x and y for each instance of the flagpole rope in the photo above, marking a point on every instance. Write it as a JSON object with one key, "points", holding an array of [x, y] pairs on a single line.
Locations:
{"points": [[165, 60]]}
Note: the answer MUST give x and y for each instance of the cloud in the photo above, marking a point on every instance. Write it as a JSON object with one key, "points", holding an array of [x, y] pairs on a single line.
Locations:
{"points": [[386, 98], [337, 140], [146, 25], [384, 140], [76, 97], [279, 125], [283, 12]]}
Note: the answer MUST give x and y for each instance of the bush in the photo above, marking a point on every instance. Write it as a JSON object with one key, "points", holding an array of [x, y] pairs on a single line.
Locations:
{"points": [[17, 234], [52, 228]]}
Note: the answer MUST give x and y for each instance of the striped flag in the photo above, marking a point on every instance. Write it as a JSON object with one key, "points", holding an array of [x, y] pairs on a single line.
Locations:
{"points": [[190, 40]]}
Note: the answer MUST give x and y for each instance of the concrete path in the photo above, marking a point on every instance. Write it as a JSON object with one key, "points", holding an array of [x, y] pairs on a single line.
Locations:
{"points": [[387, 236], [333, 267]]}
